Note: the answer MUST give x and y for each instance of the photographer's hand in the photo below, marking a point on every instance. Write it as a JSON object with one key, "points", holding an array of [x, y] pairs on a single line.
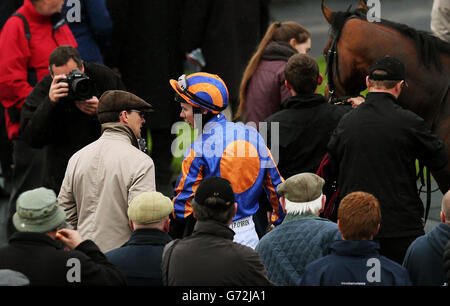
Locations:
{"points": [[58, 90], [88, 106]]}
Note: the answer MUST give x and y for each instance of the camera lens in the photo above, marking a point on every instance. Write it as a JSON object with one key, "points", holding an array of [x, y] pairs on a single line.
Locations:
{"points": [[83, 88]]}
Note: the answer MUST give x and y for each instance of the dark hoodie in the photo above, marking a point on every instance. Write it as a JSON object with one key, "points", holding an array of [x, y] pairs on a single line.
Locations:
{"points": [[306, 123], [424, 258], [266, 89]]}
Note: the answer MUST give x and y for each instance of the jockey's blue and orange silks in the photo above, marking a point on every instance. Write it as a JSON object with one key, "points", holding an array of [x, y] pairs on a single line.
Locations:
{"points": [[235, 152]]}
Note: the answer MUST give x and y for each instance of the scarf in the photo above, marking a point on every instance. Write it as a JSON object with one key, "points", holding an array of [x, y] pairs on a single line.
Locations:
{"points": [[123, 129]]}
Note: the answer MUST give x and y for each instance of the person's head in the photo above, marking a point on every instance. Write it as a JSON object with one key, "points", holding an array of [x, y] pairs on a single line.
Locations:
{"points": [[445, 208], [214, 200], [150, 210], [289, 32], [302, 193], [124, 107], [37, 211], [386, 74], [302, 74], [48, 7], [359, 216], [200, 93], [63, 60]]}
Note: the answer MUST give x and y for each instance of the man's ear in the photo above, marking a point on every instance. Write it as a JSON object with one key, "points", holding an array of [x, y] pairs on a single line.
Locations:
{"points": [[82, 68], [235, 209], [167, 225], [367, 82], [288, 86], [339, 227], [320, 79], [130, 223], [324, 200], [123, 117], [283, 203], [378, 229]]}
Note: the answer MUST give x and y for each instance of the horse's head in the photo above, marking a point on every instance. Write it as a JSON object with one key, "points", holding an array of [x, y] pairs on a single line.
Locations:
{"points": [[336, 91], [329, 15]]}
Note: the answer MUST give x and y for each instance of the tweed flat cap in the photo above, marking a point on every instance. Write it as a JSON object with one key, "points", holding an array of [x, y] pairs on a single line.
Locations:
{"points": [[119, 100], [149, 207], [301, 188]]}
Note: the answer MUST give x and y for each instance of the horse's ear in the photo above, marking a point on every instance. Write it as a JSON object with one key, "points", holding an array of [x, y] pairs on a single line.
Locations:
{"points": [[363, 5], [327, 12]]}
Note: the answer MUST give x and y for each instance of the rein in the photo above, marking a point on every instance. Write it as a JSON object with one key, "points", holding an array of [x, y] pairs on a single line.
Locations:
{"points": [[331, 55]]}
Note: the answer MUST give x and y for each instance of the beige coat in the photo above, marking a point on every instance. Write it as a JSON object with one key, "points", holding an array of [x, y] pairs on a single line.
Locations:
{"points": [[440, 19], [100, 181]]}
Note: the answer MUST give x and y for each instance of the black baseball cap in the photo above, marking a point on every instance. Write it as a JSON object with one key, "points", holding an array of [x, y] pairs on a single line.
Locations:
{"points": [[393, 67], [215, 187]]}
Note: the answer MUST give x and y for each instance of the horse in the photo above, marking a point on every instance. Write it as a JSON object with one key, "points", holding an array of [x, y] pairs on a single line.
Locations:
{"points": [[355, 43]]}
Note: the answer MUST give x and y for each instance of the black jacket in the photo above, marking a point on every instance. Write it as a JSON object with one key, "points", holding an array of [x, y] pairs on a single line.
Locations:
{"points": [[209, 257], [228, 32], [43, 261], [375, 147], [63, 128], [140, 258], [306, 123]]}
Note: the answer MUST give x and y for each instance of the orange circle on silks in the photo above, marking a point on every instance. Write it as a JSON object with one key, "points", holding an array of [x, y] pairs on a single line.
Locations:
{"points": [[240, 165]]}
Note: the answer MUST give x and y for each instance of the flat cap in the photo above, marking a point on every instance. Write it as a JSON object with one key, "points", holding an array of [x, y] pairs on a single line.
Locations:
{"points": [[301, 188], [119, 100], [149, 207]]}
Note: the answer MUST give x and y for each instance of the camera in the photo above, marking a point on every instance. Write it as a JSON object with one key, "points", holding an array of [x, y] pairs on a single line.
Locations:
{"points": [[81, 87]]}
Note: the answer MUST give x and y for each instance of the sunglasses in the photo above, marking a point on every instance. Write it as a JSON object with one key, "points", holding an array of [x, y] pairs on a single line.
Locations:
{"points": [[141, 114]]}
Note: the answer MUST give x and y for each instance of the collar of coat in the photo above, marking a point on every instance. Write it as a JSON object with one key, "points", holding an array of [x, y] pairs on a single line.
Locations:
{"points": [[303, 101], [148, 236], [278, 51], [120, 128], [214, 228], [34, 239], [363, 248], [305, 216]]}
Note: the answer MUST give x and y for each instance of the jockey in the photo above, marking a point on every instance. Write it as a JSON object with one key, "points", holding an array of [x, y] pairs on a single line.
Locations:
{"points": [[233, 151]]}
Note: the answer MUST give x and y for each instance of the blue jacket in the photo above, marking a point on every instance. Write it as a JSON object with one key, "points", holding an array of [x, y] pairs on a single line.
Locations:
{"points": [[355, 262], [424, 258], [93, 28], [237, 153], [298, 241], [140, 258]]}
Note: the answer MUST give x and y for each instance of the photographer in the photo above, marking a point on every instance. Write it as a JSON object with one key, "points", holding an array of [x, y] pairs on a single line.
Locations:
{"points": [[60, 112]]}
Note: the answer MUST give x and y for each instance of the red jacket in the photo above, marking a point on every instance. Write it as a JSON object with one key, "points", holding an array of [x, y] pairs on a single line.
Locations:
{"points": [[18, 56]]}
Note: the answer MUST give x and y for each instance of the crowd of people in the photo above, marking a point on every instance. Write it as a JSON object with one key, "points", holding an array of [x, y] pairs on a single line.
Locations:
{"points": [[92, 203]]}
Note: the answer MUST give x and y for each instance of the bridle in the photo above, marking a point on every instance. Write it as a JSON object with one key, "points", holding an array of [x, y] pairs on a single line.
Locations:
{"points": [[333, 60]]}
